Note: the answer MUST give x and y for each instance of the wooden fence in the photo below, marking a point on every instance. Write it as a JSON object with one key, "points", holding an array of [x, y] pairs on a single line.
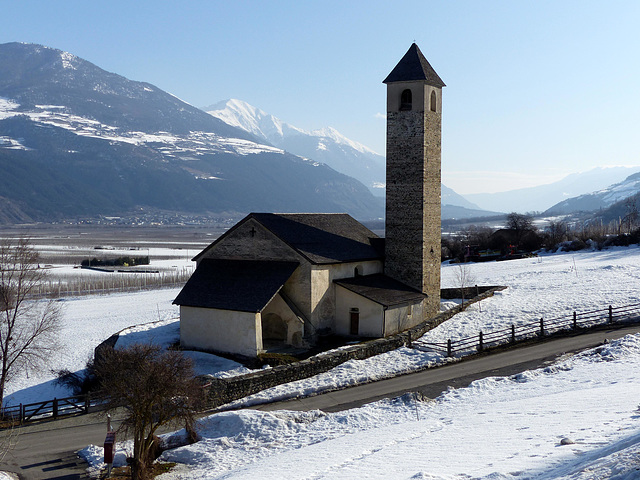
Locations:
{"points": [[50, 409], [577, 322], [538, 328]]}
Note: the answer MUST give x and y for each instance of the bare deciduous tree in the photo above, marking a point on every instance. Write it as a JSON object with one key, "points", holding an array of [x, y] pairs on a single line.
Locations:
{"points": [[155, 387], [463, 278], [28, 328], [520, 224]]}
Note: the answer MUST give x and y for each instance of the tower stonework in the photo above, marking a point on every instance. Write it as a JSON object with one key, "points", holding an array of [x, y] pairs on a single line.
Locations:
{"points": [[414, 119]]}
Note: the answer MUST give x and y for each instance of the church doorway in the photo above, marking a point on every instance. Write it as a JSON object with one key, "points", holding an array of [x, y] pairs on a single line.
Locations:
{"points": [[354, 317], [274, 330]]}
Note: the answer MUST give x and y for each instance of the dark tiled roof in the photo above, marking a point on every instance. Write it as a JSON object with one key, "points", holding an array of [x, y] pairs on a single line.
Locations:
{"points": [[414, 66], [241, 285], [382, 289], [323, 238]]}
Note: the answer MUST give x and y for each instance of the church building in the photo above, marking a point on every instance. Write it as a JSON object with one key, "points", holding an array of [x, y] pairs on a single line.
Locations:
{"points": [[283, 279]]}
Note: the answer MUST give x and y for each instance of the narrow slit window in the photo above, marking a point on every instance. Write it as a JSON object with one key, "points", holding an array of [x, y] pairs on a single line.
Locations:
{"points": [[433, 101], [405, 100]]}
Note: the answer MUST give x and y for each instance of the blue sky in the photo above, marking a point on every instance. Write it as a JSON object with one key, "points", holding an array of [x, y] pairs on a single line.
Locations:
{"points": [[535, 89]]}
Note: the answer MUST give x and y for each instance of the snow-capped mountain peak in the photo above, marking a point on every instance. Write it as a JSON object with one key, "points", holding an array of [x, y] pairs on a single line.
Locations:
{"points": [[336, 136], [251, 119], [258, 122], [325, 145]]}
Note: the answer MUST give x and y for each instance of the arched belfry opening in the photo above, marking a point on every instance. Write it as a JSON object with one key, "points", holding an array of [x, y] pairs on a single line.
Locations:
{"points": [[405, 100], [433, 101]]}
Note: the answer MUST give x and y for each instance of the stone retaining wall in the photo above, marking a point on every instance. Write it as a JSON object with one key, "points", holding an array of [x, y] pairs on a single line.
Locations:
{"points": [[219, 391]]}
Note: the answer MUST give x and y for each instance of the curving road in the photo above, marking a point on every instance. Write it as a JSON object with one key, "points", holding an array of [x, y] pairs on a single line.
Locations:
{"points": [[46, 451]]}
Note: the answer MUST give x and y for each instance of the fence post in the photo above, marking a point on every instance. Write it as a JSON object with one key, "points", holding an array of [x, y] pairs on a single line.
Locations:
{"points": [[541, 327], [21, 414], [575, 320], [409, 339], [55, 408], [87, 403], [610, 314], [513, 333], [480, 346], [449, 349]]}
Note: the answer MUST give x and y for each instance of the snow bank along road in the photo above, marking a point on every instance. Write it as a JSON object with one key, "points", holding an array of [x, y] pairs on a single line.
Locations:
{"points": [[46, 450]]}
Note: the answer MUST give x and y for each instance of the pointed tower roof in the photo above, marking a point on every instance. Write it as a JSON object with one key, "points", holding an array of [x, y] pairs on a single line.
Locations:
{"points": [[414, 66]]}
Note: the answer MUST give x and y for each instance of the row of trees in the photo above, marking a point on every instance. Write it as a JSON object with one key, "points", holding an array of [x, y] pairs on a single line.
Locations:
{"points": [[521, 233], [115, 262]]}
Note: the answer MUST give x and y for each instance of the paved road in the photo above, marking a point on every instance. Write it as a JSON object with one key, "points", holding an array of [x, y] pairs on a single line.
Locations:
{"points": [[433, 382], [45, 451]]}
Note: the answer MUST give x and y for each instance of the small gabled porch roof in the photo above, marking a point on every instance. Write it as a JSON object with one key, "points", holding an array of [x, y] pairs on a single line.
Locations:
{"points": [[382, 290]]}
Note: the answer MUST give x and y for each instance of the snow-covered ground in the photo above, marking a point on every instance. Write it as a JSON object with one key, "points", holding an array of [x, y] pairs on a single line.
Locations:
{"points": [[87, 321], [496, 428], [545, 286], [577, 419]]}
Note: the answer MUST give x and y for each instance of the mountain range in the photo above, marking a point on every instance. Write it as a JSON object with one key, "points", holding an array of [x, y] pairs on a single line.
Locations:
{"points": [[77, 141], [544, 197], [329, 146], [599, 200], [326, 145]]}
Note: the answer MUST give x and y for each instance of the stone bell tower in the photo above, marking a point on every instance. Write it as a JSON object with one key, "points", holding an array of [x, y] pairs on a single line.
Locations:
{"points": [[414, 119]]}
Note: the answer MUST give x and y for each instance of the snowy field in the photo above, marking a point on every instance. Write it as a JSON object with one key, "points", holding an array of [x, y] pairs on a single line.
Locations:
{"points": [[545, 286], [578, 419], [496, 428]]}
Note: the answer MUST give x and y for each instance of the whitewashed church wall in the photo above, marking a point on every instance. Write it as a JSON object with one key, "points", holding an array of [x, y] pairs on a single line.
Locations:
{"points": [[220, 330], [397, 319], [294, 326], [323, 290], [370, 314]]}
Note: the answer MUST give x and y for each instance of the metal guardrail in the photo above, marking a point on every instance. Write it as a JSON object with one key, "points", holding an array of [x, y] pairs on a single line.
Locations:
{"points": [[538, 328]]}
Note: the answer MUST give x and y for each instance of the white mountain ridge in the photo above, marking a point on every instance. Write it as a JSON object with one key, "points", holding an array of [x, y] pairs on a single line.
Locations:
{"points": [[264, 125], [602, 198], [325, 145], [544, 197], [184, 147]]}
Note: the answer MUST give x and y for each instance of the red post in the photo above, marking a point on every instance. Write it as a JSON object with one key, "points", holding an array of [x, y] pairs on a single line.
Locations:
{"points": [[109, 448], [513, 333], [449, 349], [542, 327], [480, 346]]}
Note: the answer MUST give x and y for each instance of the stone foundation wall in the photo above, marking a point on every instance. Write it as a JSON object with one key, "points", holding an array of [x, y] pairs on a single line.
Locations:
{"points": [[220, 391]]}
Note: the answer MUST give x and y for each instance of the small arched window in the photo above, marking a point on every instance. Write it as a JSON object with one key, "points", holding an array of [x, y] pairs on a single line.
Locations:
{"points": [[405, 100], [433, 101], [357, 271]]}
